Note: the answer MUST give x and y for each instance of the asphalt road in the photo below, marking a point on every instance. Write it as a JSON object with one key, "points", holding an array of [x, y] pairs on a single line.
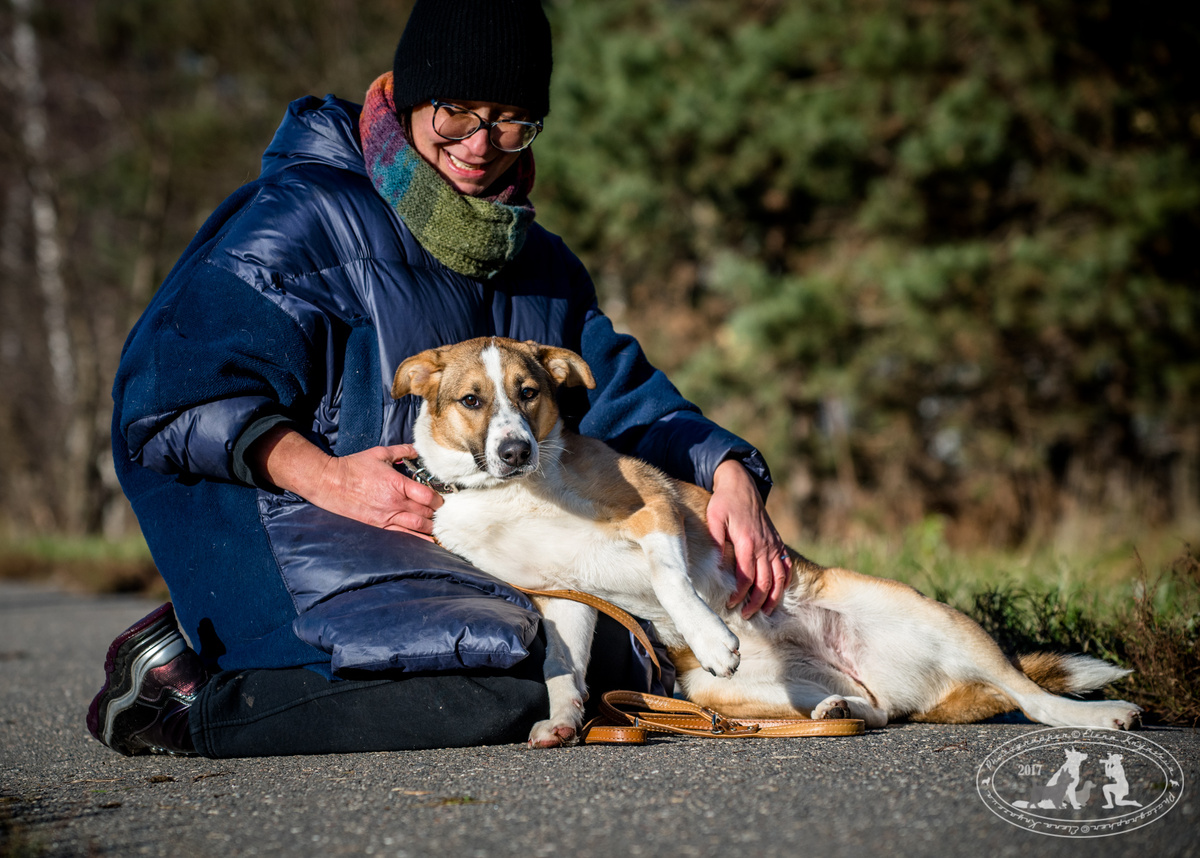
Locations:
{"points": [[903, 790]]}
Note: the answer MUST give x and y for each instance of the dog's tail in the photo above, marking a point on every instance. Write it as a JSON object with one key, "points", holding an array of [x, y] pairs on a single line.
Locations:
{"points": [[1058, 674], [1069, 674]]}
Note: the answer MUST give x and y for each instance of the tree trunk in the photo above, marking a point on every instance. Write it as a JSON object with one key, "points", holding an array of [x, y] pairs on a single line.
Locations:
{"points": [[30, 92], [67, 476]]}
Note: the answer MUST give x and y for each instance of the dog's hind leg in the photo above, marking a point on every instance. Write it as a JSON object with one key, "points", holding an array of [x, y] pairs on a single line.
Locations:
{"points": [[569, 629], [980, 669], [1040, 705]]}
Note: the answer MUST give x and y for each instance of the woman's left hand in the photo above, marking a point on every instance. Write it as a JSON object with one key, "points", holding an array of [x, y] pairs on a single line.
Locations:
{"points": [[736, 515]]}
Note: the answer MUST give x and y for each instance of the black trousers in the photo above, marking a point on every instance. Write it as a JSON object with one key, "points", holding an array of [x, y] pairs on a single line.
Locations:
{"points": [[261, 713]]}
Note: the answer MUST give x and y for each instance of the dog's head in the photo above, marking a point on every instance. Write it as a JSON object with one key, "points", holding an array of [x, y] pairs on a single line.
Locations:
{"points": [[489, 405]]}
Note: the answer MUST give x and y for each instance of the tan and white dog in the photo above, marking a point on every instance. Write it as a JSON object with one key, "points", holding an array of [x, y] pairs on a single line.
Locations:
{"points": [[543, 508]]}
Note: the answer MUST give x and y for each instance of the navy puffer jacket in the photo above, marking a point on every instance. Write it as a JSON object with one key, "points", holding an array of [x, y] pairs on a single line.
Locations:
{"points": [[295, 302]]}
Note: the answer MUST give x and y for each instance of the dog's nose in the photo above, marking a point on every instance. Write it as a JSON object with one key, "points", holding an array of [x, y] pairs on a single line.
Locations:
{"points": [[515, 452]]}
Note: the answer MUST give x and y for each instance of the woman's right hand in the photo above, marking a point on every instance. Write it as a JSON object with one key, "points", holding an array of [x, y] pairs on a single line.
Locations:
{"points": [[363, 486]]}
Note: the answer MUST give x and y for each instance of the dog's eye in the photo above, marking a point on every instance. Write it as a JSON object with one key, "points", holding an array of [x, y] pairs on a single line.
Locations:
{"points": [[528, 394], [470, 401]]}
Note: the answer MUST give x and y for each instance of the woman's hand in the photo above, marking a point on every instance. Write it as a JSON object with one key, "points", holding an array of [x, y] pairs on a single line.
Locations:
{"points": [[363, 486], [736, 515]]}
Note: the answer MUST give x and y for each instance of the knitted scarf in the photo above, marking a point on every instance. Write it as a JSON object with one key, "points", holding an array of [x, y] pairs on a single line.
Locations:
{"points": [[475, 236]]}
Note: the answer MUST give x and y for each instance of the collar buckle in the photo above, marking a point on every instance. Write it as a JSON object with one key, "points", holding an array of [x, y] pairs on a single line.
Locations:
{"points": [[419, 473]]}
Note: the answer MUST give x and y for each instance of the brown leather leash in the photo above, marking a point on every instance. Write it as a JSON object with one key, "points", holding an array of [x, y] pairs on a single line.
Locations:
{"points": [[628, 717]]}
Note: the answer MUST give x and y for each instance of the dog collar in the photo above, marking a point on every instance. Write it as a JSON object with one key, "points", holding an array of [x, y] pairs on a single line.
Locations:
{"points": [[419, 473]]}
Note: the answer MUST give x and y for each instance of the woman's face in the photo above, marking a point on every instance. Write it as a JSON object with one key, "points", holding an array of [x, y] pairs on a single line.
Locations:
{"points": [[472, 165]]}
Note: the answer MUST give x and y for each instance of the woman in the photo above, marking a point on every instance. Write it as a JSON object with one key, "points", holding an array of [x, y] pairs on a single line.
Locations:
{"points": [[255, 438]]}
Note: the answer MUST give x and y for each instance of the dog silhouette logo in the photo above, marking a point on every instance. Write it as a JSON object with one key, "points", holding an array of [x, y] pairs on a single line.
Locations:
{"points": [[1063, 787], [1068, 782]]}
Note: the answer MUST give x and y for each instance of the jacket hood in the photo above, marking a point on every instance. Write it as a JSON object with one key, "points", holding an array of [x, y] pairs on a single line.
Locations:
{"points": [[316, 131]]}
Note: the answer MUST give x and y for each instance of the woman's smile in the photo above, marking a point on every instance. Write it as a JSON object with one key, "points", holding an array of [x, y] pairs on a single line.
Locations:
{"points": [[471, 165]]}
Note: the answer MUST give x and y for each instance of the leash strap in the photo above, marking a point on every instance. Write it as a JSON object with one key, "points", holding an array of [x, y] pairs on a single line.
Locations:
{"points": [[621, 616], [628, 717]]}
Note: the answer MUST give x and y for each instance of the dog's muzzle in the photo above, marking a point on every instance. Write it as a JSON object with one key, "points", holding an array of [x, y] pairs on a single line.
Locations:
{"points": [[515, 456]]}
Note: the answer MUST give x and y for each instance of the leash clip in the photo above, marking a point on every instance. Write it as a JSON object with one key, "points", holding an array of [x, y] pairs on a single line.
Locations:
{"points": [[722, 726]]}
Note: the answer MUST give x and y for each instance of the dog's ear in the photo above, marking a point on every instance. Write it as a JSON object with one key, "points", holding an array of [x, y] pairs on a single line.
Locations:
{"points": [[565, 367], [418, 374]]}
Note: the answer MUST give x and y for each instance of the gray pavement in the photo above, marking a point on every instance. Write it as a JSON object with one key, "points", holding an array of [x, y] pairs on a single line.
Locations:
{"points": [[904, 790]]}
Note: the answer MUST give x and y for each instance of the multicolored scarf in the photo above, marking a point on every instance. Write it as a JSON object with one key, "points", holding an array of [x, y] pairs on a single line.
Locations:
{"points": [[475, 236]]}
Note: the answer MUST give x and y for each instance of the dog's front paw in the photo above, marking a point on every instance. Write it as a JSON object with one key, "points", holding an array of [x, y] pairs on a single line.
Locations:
{"points": [[566, 716], [834, 706], [717, 652], [552, 734]]}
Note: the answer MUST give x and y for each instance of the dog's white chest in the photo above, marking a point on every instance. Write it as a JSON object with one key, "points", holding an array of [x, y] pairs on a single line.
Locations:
{"points": [[525, 540]]}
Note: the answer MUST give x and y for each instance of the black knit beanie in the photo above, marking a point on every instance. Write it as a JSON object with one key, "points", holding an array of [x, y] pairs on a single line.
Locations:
{"points": [[475, 50]]}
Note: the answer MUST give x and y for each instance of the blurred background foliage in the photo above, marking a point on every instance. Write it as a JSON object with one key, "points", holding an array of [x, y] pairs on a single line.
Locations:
{"points": [[936, 258]]}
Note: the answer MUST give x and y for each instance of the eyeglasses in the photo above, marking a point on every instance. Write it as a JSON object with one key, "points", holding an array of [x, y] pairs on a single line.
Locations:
{"points": [[458, 123]]}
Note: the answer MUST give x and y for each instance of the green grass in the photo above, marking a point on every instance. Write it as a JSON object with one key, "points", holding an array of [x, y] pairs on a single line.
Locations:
{"points": [[1102, 578], [88, 564]]}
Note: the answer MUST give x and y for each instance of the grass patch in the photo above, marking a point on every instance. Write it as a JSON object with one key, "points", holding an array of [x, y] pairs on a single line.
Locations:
{"points": [[1163, 648], [1099, 579], [82, 564], [1024, 621]]}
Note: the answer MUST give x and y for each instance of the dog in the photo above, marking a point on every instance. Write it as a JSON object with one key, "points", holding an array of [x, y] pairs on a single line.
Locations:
{"points": [[540, 507], [1060, 791]]}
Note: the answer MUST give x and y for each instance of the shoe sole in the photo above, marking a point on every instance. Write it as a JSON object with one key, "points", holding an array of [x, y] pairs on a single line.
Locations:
{"points": [[156, 640]]}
